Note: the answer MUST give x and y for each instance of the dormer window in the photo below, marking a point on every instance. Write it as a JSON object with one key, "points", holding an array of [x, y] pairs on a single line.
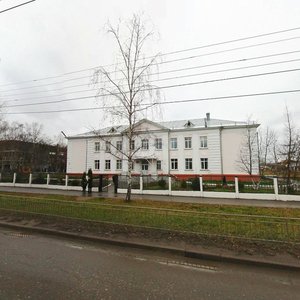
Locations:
{"points": [[112, 130], [188, 124]]}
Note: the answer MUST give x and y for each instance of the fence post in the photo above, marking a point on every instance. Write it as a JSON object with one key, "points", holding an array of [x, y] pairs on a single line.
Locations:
{"points": [[236, 185], [170, 185], [48, 179], [201, 185], [67, 179], [275, 183], [30, 178], [14, 178], [141, 184]]}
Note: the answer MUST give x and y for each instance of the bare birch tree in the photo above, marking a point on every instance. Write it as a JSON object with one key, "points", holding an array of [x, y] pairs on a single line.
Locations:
{"points": [[249, 152], [267, 139], [126, 91], [290, 149]]}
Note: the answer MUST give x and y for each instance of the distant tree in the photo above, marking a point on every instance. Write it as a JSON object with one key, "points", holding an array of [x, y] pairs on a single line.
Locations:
{"points": [[267, 140], [128, 88], [249, 152], [290, 150]]}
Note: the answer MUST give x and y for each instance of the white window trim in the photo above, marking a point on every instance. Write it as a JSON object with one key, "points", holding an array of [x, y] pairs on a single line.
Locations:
{"points": [[107, 160], [171, 148], [174, 162], [201, 164], [95, 148], [188, 137], [202, 136], [191, 169]]}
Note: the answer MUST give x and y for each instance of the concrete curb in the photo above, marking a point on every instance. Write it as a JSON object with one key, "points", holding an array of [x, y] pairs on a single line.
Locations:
{"points": [[172, 250]]}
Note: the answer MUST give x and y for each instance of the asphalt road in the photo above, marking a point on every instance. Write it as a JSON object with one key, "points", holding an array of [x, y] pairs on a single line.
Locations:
{"points": [[33, 266]]}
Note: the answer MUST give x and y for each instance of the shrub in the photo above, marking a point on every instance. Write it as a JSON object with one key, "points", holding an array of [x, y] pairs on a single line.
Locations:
{"points": [[162, 183], [183, 184], [39, 179], [195, 184], [241, 186]]}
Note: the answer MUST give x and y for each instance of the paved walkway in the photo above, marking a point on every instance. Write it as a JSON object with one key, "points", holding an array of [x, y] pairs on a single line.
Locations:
{"points": [[110, 194]]}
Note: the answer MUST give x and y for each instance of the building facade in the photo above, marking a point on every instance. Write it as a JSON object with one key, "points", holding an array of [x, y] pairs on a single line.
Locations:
{"points": [[27, 157], [186, 148]]}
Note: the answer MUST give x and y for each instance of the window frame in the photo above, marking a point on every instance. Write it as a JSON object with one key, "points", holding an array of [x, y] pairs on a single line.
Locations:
{"points": [[119, 145], [158, 165], [174, 161], [96, 164], [188, 164], [173, 141], [107, 162], [132, 145], [144, 164], [203, 142], [97, 146], [204, 163], [119, 164], [158, 143], [145, 144], [188, 142], [107, 146]]}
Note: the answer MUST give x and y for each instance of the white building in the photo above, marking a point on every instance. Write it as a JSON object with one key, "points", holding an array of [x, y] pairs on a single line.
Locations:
{"points": [[182, 148]]}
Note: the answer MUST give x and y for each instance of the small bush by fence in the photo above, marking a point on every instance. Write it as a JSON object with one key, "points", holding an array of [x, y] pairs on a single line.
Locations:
{"points": [[155, 182]]}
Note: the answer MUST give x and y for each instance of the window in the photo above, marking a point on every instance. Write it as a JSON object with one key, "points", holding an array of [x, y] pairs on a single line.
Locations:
{"points": [[174, 164], [119, 145], [204, 163], [145, 165], [132, 146], [173, 143], [145, 144], [203, 141], [187, 142], [107, 164], [119, 164], [97, 164], [107, 146], [158, 144], [188, 163], [97, 146], [158, 165]]}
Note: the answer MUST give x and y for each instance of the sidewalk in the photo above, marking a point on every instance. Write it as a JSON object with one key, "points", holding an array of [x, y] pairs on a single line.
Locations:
{"points": [[110, 194]]}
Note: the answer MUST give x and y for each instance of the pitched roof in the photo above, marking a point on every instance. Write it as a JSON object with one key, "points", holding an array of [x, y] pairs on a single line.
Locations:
{"points": [[172, 125]]}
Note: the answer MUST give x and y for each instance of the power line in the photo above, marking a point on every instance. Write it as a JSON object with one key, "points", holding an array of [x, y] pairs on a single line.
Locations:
{"points": [[170, 61], [162, 79], [13, 7], [163, 54], [157, 88], [158, 103]]}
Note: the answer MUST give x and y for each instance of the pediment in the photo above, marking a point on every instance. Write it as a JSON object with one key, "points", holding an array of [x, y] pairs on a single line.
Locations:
{"points": [[147, 125]]}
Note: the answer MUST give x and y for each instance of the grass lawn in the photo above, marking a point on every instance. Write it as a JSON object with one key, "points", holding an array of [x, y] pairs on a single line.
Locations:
{"points": [[280, 224]]}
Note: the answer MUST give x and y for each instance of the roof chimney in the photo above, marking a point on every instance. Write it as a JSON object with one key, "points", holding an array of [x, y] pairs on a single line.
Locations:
{"points": [[208, 116]]}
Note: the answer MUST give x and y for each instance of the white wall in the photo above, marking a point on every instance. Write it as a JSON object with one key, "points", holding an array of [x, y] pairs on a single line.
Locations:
{"points": [[232, 141], [82, 154], [76, 155]]}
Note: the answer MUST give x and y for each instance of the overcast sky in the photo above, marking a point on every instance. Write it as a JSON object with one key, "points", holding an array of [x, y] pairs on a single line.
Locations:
{"points": [[47, 38]]}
